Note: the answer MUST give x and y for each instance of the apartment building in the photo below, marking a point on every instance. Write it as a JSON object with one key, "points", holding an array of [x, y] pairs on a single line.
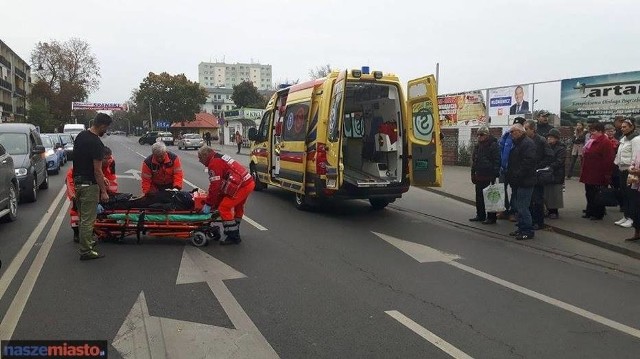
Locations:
{"points": [[220, 74], [15, 85]]}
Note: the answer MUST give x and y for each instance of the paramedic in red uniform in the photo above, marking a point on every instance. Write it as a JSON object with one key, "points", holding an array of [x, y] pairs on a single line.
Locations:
{"points": [[161, 170], [109, 171], [229, 186]]}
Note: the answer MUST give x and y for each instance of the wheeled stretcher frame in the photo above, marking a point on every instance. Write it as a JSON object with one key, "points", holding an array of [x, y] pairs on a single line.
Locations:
{"points": [[199, 228]]}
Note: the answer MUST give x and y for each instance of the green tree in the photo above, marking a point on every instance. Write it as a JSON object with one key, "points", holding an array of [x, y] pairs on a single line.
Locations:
{"points": [[320, 72], [171, 97], [40, 115], [245, 94]]}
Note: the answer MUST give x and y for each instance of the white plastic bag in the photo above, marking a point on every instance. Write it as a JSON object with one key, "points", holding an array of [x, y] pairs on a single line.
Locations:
{"points": [[494, 198]]}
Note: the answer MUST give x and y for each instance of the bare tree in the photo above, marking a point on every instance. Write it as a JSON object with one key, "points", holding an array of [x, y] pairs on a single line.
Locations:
{"points": [[71, 61], [320, 72]]}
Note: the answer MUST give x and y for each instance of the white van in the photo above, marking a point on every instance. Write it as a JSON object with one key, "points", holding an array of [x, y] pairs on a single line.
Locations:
{"points": [[73, 128]]}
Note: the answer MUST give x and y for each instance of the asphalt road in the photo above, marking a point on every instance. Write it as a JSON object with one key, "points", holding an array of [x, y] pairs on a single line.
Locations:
{"points": [[411, 281]]}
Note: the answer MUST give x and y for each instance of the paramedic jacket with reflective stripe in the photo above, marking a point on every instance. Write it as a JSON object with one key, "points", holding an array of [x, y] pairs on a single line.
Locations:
{"points": [[219, 168], [109, 171], [166, 174]]}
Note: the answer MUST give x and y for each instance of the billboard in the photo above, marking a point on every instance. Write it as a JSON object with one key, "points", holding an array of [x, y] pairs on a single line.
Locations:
{"points": [[462, 109], [98, 106], [506, 103], [601, 97]]}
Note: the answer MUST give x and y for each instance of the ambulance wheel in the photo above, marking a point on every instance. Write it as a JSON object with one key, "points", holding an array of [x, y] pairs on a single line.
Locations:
{"points": [[378, 203], [199, 239], [259, 185], [302, 203]]}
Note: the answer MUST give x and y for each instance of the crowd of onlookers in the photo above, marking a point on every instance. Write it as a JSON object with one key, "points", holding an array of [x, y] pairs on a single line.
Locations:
{"points": [[529, 160]]}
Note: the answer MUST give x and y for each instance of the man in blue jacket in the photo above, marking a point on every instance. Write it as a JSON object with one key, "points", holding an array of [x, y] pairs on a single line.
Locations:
{"points": [[506, 144]]}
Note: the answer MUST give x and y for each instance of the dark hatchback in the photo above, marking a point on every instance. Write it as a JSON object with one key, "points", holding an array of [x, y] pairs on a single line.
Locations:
{"points": [[22, 141], [9, 188]]}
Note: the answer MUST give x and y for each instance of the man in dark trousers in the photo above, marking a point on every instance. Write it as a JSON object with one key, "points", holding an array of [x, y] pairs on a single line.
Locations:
{"points": [[485, 168], [543, 158], [521, 176], [89, 181]]}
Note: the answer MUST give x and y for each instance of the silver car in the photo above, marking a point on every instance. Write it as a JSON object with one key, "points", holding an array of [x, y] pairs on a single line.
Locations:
{"points": [[190, 140]]}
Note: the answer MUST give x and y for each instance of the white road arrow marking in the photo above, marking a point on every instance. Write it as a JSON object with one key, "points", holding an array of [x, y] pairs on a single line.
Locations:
{"points": [[424, 254], [134, 173], [145, 336]]}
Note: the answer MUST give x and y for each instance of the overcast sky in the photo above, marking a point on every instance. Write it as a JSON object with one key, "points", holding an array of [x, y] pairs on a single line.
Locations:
{"points": [[479, 44]]}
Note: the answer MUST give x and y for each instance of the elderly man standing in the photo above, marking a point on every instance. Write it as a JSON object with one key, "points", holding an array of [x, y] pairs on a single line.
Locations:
{"points": [[521, 176], [543, 158], [161, 170]]}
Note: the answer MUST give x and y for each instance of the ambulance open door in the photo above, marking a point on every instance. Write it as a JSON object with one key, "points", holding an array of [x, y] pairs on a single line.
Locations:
{"points": [[334, 166], [423, 133]]}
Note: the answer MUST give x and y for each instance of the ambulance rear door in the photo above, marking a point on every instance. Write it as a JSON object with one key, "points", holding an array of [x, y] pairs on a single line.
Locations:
{"points": [[423, 133], [334, 166]]}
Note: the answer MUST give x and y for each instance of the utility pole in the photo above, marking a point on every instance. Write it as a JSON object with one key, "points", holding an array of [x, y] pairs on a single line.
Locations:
{"points": [[150, 117]]}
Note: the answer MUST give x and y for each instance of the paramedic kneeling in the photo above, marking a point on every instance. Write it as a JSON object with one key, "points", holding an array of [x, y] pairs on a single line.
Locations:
{"points": [[229, 186], [161, 170]]}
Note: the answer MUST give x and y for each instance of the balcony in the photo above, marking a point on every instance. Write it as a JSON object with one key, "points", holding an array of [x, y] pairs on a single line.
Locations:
{"points": [[6, 84], [20, 92], [5, 62], [6, 107], [20, 73]]}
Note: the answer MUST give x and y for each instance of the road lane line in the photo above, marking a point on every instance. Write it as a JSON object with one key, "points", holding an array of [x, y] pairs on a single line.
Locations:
{"points": [[16, 263], [555, 302], [254, 223], [429, 336], [141, 155], [10, 320]]}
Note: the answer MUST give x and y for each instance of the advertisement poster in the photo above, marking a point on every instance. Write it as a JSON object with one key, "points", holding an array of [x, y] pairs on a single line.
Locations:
{"points": [[462, 109], [507, 103], [600, 98]]}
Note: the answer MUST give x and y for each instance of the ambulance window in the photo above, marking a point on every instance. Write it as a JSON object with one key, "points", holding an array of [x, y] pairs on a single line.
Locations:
{"points": [[263, 131], [334, 131], [295, 122]]}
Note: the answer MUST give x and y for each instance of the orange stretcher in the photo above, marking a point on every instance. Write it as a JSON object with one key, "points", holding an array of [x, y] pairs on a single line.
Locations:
{"points": [[115, 225]]}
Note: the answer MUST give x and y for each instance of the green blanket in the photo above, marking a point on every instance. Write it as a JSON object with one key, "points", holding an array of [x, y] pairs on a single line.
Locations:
{"points": [[196, 217]]}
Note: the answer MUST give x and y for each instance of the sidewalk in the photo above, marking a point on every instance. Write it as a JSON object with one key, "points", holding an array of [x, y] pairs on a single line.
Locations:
{"points": [[232, 149], [457, 185]]}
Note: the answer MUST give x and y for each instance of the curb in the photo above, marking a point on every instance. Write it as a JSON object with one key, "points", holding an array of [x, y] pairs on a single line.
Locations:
{"points": [[564, 232]]}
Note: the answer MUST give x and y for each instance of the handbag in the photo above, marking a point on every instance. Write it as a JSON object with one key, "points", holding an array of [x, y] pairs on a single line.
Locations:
{"points": [[493, 196], [607, 197], [544, 176]]}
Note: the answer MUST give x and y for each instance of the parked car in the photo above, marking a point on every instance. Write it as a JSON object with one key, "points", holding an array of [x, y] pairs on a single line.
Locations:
{"points": [[166, 137], [9, 188], [53, 157], [190, 140], [59, 145], [67, 145], [24, 144], [148, 138], [152, 137]]}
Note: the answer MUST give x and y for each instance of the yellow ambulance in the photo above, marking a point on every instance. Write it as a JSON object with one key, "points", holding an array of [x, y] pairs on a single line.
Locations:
{"points": [[351, 135]]}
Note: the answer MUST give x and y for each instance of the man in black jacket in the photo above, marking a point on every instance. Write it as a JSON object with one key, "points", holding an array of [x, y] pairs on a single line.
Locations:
{"points": [[543, 126], [485, 168], [543, 157], [521, 176]]}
